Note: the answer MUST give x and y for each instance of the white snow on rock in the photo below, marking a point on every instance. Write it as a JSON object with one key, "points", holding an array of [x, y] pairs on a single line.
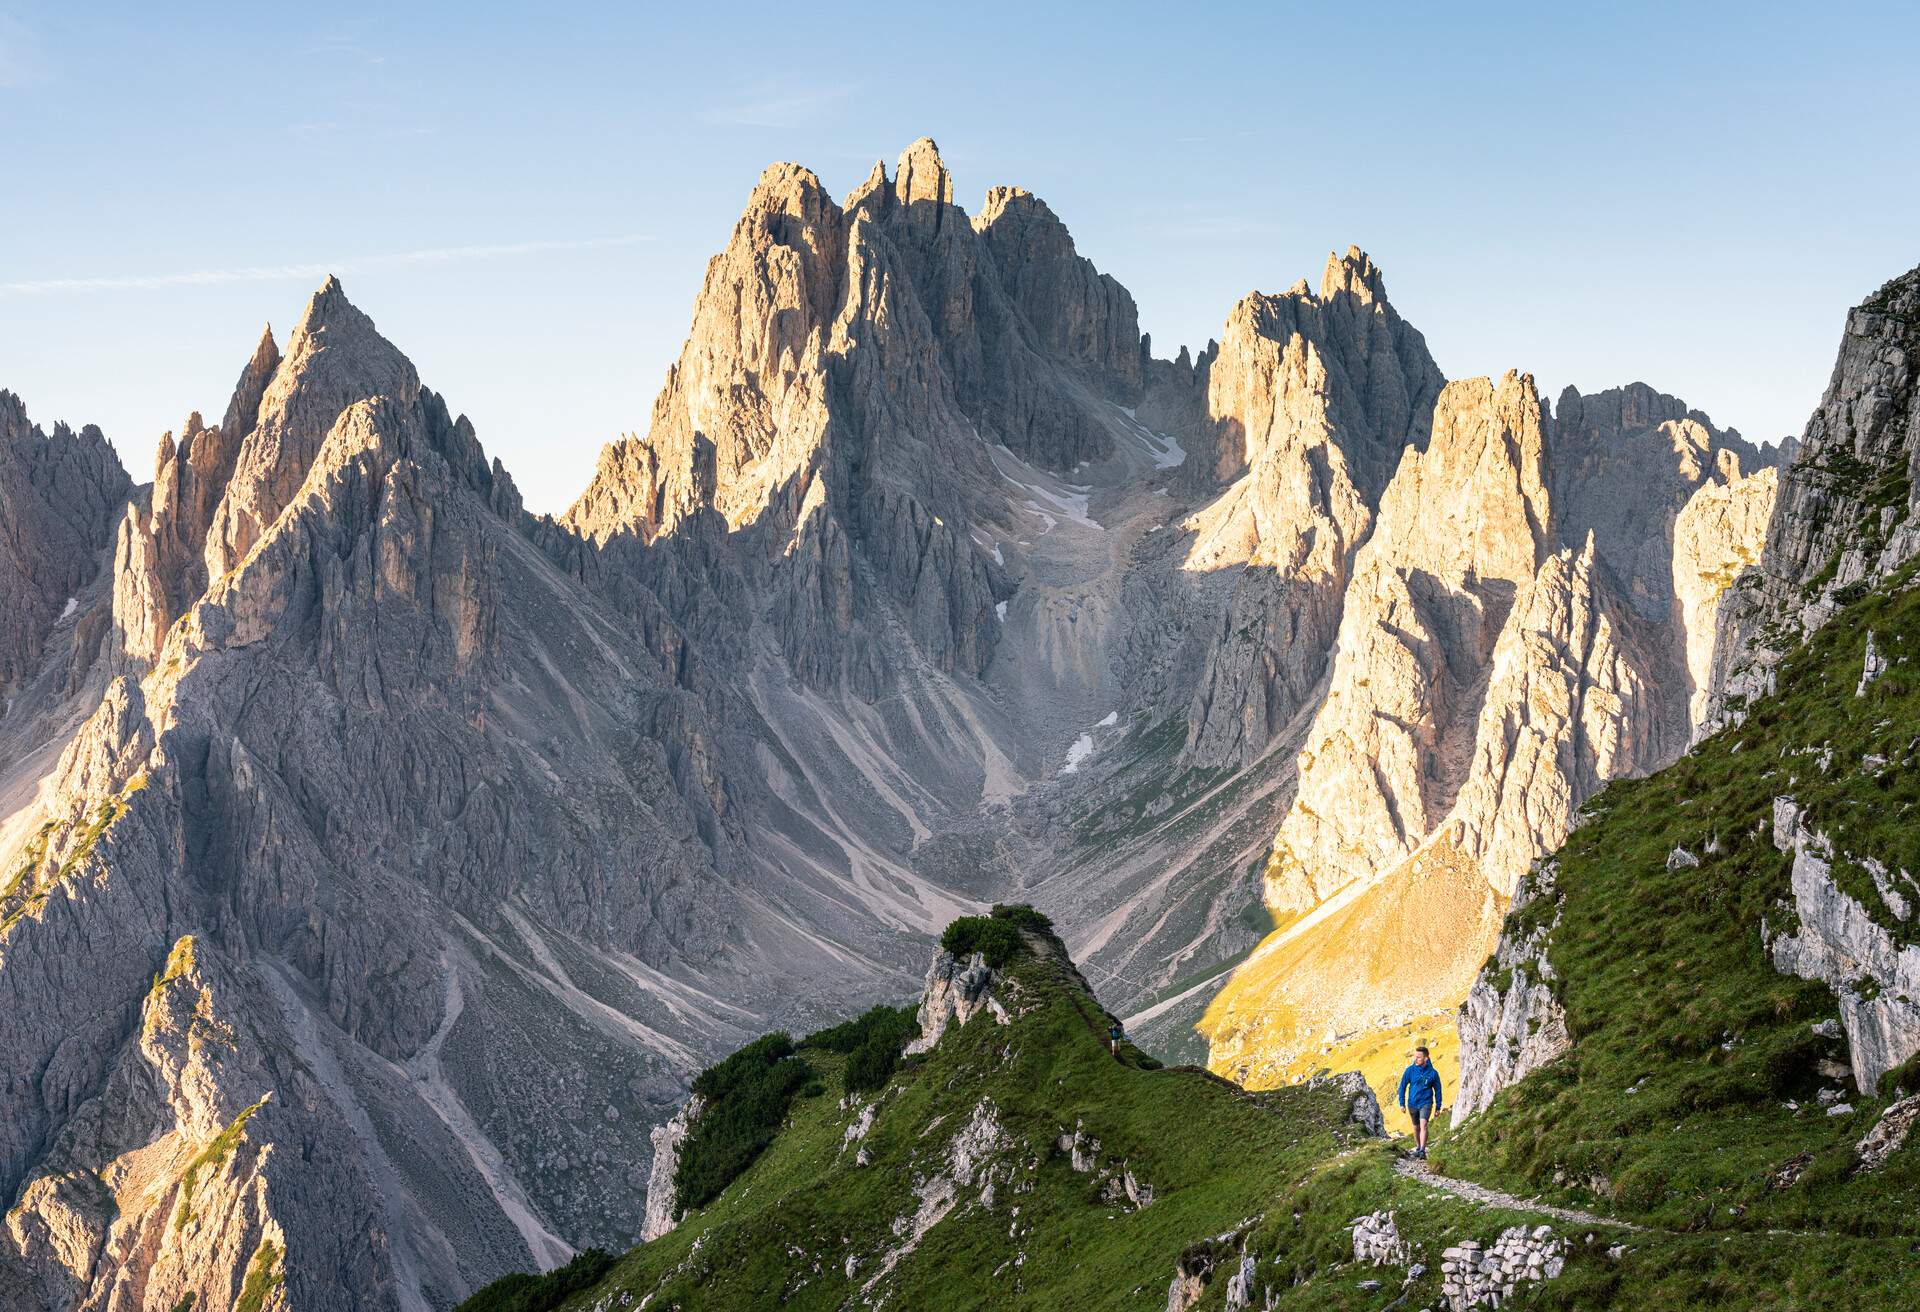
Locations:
{"points": [[1078, 753]]}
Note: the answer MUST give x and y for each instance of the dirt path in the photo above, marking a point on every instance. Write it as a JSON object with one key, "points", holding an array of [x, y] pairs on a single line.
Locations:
{"points": [[1485, 1197]]}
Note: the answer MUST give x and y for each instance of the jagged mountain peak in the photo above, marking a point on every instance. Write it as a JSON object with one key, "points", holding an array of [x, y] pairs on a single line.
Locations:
{"points": [[785, 187], [335, 356], [921, 175], [328, 312], [875, 184], [1353, 274], [258, 371]]}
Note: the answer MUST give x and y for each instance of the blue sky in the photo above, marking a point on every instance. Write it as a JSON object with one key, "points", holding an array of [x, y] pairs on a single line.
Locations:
{"points": [[525, 199]]}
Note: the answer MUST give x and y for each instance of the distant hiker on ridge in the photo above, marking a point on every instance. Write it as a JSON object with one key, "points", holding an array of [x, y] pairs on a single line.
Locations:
{"points": [[1420, 1096], [1114, 1035]]}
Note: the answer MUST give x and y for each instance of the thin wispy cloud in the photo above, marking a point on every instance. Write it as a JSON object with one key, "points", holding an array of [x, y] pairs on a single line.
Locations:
{"points": [[22, 62], [343, 49], [306, 272], [774, 106]]}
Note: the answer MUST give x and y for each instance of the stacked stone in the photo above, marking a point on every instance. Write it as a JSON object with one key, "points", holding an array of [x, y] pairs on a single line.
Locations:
{"points": [[1476, 1276], [1377, 1241]]}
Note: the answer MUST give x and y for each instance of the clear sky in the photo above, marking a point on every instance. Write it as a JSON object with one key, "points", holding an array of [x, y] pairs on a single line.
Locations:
{"points": [[524, 199]]}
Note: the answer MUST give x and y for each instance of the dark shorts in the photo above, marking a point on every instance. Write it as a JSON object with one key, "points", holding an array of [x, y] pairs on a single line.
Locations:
{"points": [[1421, 1113]]}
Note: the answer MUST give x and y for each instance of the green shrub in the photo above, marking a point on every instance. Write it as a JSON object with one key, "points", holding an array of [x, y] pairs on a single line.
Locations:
{"points": [[521, 1292], [1022, 916], [872, 1043], [1904, 1078], [747, 1097], [997, 935], [996, 940]]}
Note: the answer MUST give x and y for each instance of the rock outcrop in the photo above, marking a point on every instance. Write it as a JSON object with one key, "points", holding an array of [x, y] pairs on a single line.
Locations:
{"points": [[1511, 1022], [663, 1205], [956, 991], [1874, 975], [1476, 1275], [1843, 516], [59, 495]]}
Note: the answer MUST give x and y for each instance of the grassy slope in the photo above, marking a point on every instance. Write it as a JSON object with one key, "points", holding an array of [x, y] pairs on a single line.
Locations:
{"points": [[1688, 1046], [1217, 1158]]}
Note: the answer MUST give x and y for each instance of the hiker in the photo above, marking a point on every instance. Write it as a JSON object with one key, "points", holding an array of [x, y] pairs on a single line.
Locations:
{"points": [[1114, 1035], [1420, 1096]]}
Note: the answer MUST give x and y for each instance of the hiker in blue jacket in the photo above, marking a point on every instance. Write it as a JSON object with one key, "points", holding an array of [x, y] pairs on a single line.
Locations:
{"points": [[1420, 1096]]}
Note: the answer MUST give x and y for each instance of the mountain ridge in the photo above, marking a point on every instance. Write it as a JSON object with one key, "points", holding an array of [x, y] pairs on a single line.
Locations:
{"points": [[491, 828]]}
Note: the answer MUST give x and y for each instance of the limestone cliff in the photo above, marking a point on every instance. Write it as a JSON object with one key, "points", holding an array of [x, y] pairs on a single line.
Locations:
{"points": [[1516, 633], [1310, 401], [1844, 516], [59, 494]]}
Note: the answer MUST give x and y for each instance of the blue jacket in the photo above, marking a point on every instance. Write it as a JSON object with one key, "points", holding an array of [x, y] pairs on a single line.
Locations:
{"points": [[1419, 1087]]}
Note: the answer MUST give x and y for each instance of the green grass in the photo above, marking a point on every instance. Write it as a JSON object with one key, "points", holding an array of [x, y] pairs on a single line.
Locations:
{"points": [[264, 1275], [1277, 1176], [871, 1044], [209, 1159], [746, 1098], [784, 1231], [1688, 1045]]}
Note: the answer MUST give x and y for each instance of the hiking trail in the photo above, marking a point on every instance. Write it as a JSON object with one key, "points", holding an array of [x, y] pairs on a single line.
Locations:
{"points": [[1485, 1197]]}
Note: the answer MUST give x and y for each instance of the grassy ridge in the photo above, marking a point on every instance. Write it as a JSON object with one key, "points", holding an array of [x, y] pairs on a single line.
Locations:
{"points": [[1674, 1105]]}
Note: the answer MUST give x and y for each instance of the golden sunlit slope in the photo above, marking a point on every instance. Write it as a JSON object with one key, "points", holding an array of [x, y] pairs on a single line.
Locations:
{"points": [[1384, 960]]}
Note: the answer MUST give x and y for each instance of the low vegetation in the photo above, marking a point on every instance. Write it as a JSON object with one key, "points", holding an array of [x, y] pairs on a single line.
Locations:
{"points": [[211, 1159], [1693, 1096], [746, 1098], [521, 1292], [264, 1275], [998, 936], [871, 1044]]}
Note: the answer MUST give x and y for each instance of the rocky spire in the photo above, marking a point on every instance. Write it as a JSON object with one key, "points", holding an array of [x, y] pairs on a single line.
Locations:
{"points": [[244, 409], [1079, 315], [335, 356], [921, 175], [59, 497], [1310, 404]]}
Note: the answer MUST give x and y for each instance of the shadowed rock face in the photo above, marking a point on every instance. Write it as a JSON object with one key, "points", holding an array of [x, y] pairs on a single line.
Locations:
{"points": [[378, 859], [58, 498], [1845, 511]]}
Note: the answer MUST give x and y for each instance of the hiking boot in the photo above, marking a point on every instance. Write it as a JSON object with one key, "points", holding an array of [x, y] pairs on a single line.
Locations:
{"points": [[1420, 1154]]}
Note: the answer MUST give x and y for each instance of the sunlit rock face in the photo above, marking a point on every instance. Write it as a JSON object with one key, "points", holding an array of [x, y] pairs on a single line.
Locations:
{"points": [[1845, 510], [1529, 617], [1310, 401]]}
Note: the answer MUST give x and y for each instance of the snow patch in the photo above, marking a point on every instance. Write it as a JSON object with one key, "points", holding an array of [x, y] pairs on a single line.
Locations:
{"points": [[1078, 753], [73, 604], [1165, 451], [1108, 721], [1000, 609]]}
